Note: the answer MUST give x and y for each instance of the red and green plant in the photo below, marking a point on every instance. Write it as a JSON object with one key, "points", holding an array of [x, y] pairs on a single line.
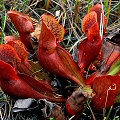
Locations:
{"points": [[23, 78]]}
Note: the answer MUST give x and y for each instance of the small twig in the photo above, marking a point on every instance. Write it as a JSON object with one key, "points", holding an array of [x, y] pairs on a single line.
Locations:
{"points": [[110, 88], [1, 115], [75, 44], [31, 9], [72, 117], [101, 22]]}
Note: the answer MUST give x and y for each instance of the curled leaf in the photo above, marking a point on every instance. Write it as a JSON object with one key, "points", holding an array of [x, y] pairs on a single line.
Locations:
{"points": [[25, 66], [89, 48], [106, 88], [47, 39], [8, 54], [7, 72], [19, 48], [57, 29], [75, 104], [55, 111], [24, 25], [93, 33], [14, 52], [98, 9], [53, 58], [87, 52], [110, 52], [92, 77], [22, 86], [90, 26], [70, 64], [88, 21], [11, 38]]}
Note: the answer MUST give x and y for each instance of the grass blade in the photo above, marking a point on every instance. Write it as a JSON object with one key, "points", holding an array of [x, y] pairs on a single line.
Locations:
{"points": [[3, 23], [89, 5]]}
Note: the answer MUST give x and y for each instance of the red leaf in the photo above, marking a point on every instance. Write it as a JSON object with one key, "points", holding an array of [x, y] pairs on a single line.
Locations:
{"points": [[106, 88], [8, 54], [69, 63], [89, 48], [75, 104], [110, 52], [92, 17], [92, 77], [24, 25], [16, 55], [57, 29], [24, 66], [93, 33], [88, 21], [98, 9], [22, 86], [11, 38], [33, 69], [55, 59], [90, 26], [7, 72], [20, 49], [47, 39], [39, 85], [87, 52]]}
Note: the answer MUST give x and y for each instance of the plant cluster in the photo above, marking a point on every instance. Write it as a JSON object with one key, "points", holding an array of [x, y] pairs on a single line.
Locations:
{"points": [[21, 77]]}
